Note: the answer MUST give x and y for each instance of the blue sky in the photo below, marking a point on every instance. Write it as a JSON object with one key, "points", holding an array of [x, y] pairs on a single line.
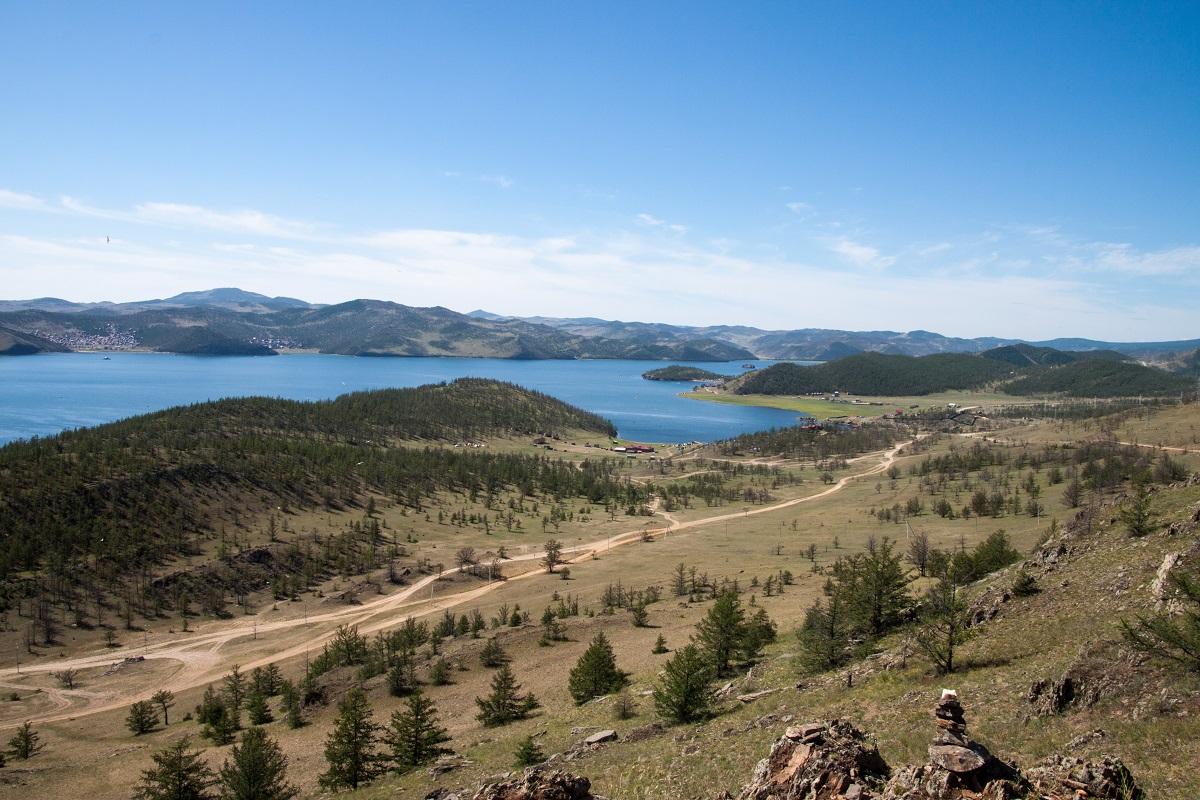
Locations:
{"points": [[976, 169]]}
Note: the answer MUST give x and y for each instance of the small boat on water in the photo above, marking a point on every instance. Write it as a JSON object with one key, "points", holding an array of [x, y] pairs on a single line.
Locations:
{"points": [[106, 358], [749, 366]]}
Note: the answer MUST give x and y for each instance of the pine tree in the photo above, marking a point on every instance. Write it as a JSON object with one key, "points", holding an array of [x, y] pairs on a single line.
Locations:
{"points": [[235, 694], [414, 736], [624, 707], [220, 729], [719, 634], [439, 672], [660, 645], [528, 754], [682, 695], [178, 774], [758, 632], [1135, 513], [596, 673], [258, 709], [1167, 636], [164, 700], [504, 704], [553, 555], [825, 638], [25, 742], [874, 587], [401, 676], [350, 747], [1072, 494], [266, 681], [944, 623], [679, 580], [291, 705], [206, 709], [256, 770], [492, 655], [142, 717]]}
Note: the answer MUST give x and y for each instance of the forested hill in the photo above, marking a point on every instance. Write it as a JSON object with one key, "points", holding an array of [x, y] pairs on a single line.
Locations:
{"points": [[679, 372], [465, 408], [1018, 370], [878, 374], [129, 495], [1100, 378], [16, 343], [1028, 355]]}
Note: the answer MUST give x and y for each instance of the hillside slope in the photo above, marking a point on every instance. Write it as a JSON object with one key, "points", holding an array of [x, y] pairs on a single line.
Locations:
{"points": [[18, 343], [877, 374], [1018, 370], [358, 327], [1100, 378], [136, 492]]}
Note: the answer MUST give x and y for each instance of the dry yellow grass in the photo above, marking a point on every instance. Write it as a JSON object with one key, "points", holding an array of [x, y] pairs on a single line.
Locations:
{"points": [[95, 756]]}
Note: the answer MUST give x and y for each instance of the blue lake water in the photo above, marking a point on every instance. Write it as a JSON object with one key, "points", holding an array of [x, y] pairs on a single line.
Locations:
{"points": [[45, 394]]}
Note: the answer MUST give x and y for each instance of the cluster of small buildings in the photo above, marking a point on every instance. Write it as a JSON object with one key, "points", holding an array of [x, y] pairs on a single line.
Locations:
{"points": [[75, 339], [633, 449], [277, 342]]}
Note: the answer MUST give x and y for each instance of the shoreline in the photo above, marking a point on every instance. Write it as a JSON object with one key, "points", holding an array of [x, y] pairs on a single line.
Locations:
{"points": [[379, 356]]}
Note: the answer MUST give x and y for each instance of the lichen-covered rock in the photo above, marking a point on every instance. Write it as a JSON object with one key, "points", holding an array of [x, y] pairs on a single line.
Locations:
{"points": [[988, 605], [834, 761], [957, 758], [1101, 669], [818, 761], [1065, 778], [931, 782], [539, 784]]}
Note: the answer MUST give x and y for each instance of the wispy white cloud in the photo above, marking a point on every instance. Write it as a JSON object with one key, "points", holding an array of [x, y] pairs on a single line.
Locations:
{"points": [[1035, 284], [502, 181], [1057, 249], [651, 221], [493, 179], [1128, 259], [245, 221], [859, 254], [924, 251], [21, 201], [186, 216]]}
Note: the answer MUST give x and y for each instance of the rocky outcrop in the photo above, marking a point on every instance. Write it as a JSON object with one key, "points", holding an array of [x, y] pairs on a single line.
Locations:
{"points": [[1162, 588], [539, 784], [818, 761], [958, 767], [1071, 778], [1101, 669], [988, 605], [835, 761]]}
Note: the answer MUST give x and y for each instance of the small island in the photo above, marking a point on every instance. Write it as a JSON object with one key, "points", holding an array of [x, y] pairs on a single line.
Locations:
{"points": [[677, 372]]}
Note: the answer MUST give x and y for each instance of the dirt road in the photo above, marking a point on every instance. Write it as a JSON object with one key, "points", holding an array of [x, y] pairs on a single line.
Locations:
{"points": [[198, 658]]}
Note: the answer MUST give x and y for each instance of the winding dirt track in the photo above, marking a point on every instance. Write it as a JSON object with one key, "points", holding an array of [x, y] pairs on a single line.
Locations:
{"points": [[198, 657], [1160, 447]]}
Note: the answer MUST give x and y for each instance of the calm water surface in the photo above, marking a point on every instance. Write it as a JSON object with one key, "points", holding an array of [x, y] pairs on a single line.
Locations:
{"points": [[44, 394]]}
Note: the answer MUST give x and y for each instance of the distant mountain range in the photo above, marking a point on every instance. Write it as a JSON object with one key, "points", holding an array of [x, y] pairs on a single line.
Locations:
{"points": [[820, 344], [230, 320]]}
